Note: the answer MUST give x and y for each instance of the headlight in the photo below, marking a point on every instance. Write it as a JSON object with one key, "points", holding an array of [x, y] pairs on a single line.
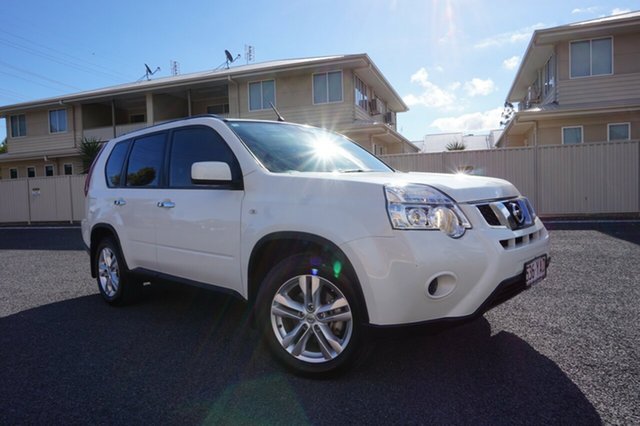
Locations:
{"points": [[416, 206]]}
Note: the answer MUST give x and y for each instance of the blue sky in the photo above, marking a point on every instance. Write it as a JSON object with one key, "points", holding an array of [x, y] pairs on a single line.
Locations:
{"points": [[451, 61]]}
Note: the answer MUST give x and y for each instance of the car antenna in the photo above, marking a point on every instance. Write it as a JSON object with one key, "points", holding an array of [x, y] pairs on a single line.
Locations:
{"points": [[280, 117]]}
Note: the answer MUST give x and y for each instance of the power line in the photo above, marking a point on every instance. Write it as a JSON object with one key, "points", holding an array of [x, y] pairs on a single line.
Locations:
{"points": [[100, 67], [39, 76], [29, 80]]}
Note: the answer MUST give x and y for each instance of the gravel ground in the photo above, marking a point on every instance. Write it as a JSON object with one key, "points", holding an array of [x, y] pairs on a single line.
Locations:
{"points": [[564, 352]]}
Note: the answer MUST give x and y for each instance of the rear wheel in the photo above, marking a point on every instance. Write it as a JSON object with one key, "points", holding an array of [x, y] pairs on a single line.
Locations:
{"points": [[115, 283], [310, 315]]}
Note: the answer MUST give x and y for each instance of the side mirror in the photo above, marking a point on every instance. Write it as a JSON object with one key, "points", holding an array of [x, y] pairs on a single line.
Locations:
{"points": [[210, 172]]}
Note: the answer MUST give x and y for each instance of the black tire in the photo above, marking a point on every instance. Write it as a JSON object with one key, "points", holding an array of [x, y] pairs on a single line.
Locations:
{"points": [[116, 284], [303, 336]]}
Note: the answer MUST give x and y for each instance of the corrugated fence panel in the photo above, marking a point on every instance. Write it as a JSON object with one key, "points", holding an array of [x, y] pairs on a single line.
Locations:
{"points": [[416, 162], [589, 178], [14, 201], [77, 195], [50, 199]]}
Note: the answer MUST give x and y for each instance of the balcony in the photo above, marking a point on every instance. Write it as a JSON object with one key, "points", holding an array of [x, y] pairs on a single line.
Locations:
{"points": [[106, 133]]}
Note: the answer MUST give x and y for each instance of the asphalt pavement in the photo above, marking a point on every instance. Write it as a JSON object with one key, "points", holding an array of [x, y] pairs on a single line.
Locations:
{"points": [[564, 352]]}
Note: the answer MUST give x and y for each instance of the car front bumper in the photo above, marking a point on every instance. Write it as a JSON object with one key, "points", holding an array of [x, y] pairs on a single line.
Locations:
{"points": [[395, 273]]}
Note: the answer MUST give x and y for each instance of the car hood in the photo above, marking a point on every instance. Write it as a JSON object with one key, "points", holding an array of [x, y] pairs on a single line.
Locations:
{"points": [[461, 188]]}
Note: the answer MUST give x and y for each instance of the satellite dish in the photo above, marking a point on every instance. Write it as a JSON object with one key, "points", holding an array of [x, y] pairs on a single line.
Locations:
{"points": [[229, 56], [148, 69]]}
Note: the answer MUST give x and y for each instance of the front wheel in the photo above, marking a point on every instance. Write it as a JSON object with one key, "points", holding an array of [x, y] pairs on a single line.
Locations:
{"points": [[310, 315]]}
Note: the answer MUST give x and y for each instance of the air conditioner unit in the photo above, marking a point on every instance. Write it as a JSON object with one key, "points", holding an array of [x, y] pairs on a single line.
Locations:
{"points": [[388, 117]]}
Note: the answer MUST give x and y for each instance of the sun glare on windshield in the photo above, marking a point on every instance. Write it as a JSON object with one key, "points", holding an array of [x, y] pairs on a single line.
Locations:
{"points": [[333, 157]]}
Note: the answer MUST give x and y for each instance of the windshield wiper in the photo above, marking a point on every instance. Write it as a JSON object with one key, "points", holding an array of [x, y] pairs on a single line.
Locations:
{"points": [[354, 170]]}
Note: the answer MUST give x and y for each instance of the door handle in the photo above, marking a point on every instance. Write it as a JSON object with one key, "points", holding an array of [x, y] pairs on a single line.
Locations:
{"points": [[120, 202], [166, 204]]}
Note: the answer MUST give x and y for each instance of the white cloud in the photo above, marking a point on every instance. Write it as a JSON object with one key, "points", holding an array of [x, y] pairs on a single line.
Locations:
{"points": [[432, 95], [473, 122], [618, 11], [479, 87], [454, 86], [511, 63], [590, 9], [512, 37]]}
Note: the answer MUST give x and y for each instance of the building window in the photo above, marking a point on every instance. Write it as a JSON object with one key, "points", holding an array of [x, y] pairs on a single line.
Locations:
{"points": [[68, 169], [327, 87], [218, 109], [572, 135], [48, 170], [31, 172], [591, 57], [618, 132], [262, 94], [13, 173], [58, 121], [362, 99], [549, 76], [18, 126], [137, 118]]}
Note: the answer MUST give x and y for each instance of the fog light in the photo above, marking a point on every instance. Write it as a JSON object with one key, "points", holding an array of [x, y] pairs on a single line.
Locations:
{"points": [[433, 287]]}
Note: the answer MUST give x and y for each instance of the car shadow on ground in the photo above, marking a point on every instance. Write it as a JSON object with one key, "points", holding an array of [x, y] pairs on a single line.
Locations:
{"points": [[188, 356]]}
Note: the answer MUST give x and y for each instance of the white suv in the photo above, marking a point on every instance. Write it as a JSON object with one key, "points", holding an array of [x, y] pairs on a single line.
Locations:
{"points": [[320, 237]]}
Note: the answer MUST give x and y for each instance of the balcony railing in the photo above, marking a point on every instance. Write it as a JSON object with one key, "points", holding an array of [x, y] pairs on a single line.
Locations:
{"points": [[106, 133]]}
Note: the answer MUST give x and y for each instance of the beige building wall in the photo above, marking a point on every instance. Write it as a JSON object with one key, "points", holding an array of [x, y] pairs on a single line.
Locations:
{"points": [[594, 127], [38, 137], [624, 83], [39, 164]]}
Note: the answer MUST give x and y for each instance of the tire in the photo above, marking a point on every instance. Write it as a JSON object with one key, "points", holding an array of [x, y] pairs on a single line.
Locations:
{"points": [[310, 316], [116, 284]]}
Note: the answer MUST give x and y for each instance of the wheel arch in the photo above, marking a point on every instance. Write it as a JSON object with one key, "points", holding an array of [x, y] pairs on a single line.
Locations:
{"points": [[275, 247], [98, 233]]}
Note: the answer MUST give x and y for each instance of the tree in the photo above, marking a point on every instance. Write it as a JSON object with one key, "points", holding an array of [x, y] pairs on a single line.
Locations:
{"points": [[89, 150], [456, 146], [3, 146]]}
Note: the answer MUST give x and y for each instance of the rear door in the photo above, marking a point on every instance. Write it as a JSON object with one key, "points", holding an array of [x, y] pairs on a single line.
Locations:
{"points": [[198, 228], [135, 200]]}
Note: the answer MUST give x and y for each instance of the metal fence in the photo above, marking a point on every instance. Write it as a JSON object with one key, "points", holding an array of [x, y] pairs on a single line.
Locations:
{"points": [[44, 199], [561, 180], [594, 178]]}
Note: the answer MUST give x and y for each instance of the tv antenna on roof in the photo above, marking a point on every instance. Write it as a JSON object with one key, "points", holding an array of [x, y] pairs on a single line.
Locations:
{"points": [[148, 73]]}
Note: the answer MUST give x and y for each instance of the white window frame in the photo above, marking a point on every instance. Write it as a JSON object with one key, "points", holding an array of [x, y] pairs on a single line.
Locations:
{"points": [[64, 166], [261, 95], [547, 86], [590, 40], [326, 74], [35, 171], [11, 126], [628, 124], [17, 173], [53, 169], [573, 127], [66, 120]]}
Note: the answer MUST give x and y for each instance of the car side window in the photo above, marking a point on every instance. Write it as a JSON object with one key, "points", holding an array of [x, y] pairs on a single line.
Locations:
{"points": [[145, 161], [194, 144], [113, 170]]}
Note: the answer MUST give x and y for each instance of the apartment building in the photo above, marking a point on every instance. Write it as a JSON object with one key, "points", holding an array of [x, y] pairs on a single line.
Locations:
{"points": [[578, 83], [347, 94]]}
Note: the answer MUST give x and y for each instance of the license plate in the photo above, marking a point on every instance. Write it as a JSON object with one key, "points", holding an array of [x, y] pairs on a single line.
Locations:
{"points": [[535, 270]]}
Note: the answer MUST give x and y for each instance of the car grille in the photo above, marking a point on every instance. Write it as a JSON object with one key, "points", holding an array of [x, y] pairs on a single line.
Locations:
{"points": [[515, 213], [516, 242]]}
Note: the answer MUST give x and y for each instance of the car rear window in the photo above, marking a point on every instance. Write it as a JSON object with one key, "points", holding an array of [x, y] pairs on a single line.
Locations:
{"points": [[145, 161], [115, 162]]}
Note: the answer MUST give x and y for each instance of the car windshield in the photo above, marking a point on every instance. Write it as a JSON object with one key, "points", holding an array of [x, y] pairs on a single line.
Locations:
{"points": [[283, 148]]}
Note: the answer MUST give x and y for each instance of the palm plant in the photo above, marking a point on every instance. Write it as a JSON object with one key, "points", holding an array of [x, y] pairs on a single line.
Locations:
{"points": [[89, 150]]}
